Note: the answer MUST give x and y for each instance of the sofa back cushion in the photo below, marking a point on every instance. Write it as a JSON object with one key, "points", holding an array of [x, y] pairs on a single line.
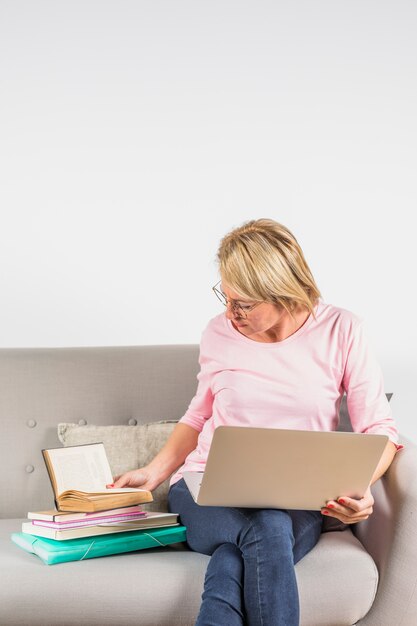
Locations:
{"points": [[42, 387]]}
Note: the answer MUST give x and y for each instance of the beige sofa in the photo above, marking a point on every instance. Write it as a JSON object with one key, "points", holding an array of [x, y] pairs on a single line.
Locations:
{"points": [[338, 581]]}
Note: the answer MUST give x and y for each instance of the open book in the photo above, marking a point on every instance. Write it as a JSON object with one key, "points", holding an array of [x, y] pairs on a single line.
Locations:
{"points": [[79, 475]]}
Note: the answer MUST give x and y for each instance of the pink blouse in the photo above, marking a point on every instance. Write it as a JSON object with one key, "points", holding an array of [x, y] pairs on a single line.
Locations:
{"points": [[297, 383]]}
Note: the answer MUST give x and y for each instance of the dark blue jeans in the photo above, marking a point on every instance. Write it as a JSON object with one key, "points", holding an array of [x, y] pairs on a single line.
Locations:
{"points": [[250, 577]]}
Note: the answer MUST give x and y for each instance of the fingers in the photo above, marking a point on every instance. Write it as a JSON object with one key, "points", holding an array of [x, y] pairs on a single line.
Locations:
{"points": [[121, 481], [110, 485], [356, 505], [134, 478], [350, 510], [347, 516]]}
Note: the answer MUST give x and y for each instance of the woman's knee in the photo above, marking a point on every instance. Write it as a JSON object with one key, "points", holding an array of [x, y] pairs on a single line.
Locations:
{"points": [[220, 526], [271, 527], [271, 521]]}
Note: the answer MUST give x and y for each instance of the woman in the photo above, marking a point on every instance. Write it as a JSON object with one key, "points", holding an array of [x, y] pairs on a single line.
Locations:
{"points": [[279, 357]]}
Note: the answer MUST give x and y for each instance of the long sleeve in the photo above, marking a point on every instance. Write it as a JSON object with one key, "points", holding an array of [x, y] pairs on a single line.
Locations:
{"points": [[201, 406], [367, 404]]}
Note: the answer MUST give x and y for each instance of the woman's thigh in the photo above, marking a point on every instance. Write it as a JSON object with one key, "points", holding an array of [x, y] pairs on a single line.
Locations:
{"points": [[207, 526], [210, 526]]}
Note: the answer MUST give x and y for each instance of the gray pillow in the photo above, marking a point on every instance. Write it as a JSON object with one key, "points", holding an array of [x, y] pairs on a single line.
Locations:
{"points": [[127, 448]]}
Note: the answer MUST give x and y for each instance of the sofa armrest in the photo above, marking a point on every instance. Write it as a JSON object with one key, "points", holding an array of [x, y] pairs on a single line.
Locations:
{"points": [[390, 536]]}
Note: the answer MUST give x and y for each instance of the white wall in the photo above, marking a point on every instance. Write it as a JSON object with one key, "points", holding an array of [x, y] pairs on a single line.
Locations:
{"points": [[135, 134]]}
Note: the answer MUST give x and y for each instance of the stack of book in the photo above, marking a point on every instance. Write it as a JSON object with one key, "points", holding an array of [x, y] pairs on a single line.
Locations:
{"points": [[91, 520]]}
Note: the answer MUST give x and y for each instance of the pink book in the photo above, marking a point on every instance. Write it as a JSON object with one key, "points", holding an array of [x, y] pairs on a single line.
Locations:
{"points": [[92, 521], [64, 516]]}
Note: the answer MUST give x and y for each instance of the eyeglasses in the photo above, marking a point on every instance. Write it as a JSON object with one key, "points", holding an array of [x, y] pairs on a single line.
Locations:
{"points": [[241, 309]]}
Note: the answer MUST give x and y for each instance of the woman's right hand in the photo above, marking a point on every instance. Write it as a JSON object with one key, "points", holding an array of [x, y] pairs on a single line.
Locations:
{"points": [[181, 442], [142, 478]]}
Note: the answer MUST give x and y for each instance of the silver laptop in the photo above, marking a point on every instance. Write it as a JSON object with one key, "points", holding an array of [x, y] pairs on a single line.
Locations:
{"points": [[284, 469]]}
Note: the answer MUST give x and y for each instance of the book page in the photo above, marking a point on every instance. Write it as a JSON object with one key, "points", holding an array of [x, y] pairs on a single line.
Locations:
{"points": [[84, 468]]}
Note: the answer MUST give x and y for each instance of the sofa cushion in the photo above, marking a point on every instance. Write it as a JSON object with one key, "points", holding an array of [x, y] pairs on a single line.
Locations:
{"points": [[162, 586], [127, 448]]}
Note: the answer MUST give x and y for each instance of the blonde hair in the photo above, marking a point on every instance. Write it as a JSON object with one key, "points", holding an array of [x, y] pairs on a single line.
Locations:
{"points": [[262, 260]]}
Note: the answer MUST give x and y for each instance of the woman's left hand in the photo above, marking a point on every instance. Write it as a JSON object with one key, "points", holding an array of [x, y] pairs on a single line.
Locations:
{"points": [[349, 510]]}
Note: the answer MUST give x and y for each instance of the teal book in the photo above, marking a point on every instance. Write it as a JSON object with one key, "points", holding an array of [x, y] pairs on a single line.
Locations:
{"points": [[51, 551]]}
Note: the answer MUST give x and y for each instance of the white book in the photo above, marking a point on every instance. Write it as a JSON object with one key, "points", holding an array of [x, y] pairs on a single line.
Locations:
{"points": [[153, 519]]}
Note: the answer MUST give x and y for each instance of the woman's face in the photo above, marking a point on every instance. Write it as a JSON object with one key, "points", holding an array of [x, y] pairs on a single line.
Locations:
{"points": [[266, 322]]}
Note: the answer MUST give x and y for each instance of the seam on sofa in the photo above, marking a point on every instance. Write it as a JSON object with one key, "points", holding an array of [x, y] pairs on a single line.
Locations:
{"points": [[374, 594]]}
